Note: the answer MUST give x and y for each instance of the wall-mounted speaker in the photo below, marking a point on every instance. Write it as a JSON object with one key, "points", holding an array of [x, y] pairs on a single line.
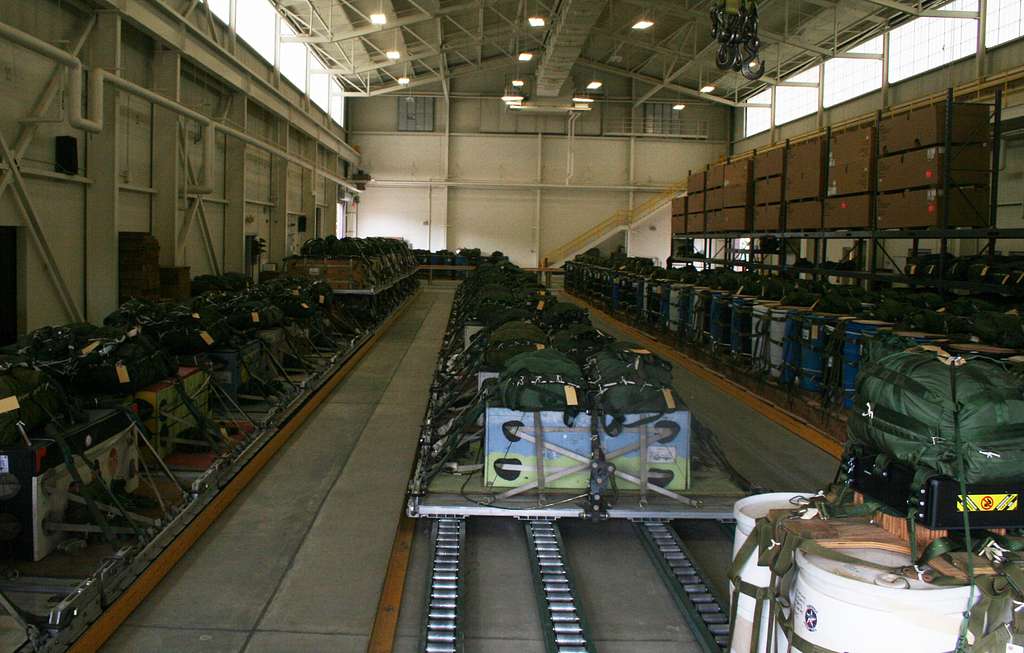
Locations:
{"points": [[66, 155]]}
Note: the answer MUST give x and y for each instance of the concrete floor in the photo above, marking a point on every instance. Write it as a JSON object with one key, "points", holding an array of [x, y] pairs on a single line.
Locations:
{"points": [[296, 563]]}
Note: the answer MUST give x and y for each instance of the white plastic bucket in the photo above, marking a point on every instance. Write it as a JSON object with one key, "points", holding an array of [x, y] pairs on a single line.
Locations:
{"points": [[858, 609], [747, 511], [675, 291], [776, 338]]}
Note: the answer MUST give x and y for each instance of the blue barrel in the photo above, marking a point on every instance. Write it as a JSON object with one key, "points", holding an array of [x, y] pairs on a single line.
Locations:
{"points": [[857, 333], [790, 345], [740, 328], [666, 306], [720, 314], [684, 304], [815, 331]]}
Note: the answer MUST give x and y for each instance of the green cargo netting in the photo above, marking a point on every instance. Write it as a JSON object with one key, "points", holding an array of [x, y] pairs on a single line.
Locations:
{"points": [[629, 379], [905, 408], [27, 396], [510, 339], [542, 380]]}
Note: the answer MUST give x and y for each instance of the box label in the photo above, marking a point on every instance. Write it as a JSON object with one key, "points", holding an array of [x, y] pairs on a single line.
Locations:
{"points": [[9, 404], [122, 373], [207, 338], [570, 396], [661, 455]]}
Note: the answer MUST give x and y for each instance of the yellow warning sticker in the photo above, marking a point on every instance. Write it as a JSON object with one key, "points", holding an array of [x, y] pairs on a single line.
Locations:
{"points": [[987, 502]]}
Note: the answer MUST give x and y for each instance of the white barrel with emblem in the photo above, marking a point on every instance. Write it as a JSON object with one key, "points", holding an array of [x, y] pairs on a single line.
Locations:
{"points": [[760, 339], [850, 608], [747, 511]]}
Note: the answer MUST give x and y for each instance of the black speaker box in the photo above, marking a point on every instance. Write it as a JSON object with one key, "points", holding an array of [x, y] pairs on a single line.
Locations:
{"points": [[66, 155]]}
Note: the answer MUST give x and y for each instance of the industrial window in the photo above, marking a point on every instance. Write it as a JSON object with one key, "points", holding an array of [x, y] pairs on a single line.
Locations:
{"points": [[846, 78], [221, 9], [319, 84], [792, 102], [293, 58], [416, 114], [926, 43], [1005, 21], [337, 103], [758, 119], [661, 118], [256, 25]]}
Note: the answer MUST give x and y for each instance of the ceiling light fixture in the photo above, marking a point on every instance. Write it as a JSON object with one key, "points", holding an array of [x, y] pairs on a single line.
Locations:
{"points": [[378, 19], [511, 98], [393, 55], [643, 23], [707, 88], [582, 99], [678, 107], [515, 105], [518, 83], [594, 85], [537, 21], [581, 107], [403, 80], [525, 56]]}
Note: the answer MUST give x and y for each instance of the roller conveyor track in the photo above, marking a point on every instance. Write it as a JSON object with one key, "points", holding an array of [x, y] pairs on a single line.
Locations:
{"points": [[561, 611], [562, 619], [704, 614], [444, 592]]}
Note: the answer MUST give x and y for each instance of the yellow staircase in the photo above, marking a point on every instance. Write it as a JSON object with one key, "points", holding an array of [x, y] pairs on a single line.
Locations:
{"points": [[620, 219]]}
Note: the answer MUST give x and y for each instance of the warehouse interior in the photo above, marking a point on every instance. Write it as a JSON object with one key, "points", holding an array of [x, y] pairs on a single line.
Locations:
{"points": [[512, 325]]}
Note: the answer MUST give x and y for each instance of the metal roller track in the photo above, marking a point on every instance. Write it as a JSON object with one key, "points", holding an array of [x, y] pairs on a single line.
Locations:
{"points": [[444, 592], [565, 628], [703, 613]]}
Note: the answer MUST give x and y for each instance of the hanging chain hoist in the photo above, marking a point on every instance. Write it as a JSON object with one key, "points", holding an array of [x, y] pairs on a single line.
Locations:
{"points": [[734, 26]]}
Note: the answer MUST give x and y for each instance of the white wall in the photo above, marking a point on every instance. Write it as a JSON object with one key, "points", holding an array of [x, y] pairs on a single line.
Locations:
{"points": [[499, 176], [651, 237]]}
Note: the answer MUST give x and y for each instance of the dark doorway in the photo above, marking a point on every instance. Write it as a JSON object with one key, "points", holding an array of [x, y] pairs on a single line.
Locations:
{"points": [[8, 285]]}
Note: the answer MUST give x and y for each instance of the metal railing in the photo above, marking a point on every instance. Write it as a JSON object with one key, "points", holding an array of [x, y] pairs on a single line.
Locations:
{"points": [[689, 128]]}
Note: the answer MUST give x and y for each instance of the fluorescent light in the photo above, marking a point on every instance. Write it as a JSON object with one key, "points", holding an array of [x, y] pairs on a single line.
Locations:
{"points": [[583, 99], [403, 80], [525, 56], [378, 19], [707, 88], [515, 105], [678, 107], [581, 107], [536, 21], [518, 83], [511, 97], [643, 23], [594, 85], [393, 55]]}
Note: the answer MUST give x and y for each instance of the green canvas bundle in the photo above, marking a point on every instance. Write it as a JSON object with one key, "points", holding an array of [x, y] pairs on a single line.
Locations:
{"points": [[543, 379], [916, 408], [628, 379], [27, 396], [559, 315], [579, 341], [510, 339]]}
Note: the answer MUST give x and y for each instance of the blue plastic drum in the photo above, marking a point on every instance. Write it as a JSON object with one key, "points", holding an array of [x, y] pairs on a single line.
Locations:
{"points": [[858, 332], [815, 331], [720, 326]]}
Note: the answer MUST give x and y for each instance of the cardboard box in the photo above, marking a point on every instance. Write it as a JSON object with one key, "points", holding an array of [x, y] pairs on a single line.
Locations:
{"points": [[716, 175], [679, 224], [768, 217], [922, 207], [695, 223], [738, 184], [768, 191], [678, 206], [714, 220], [849, 179], [695, 203], [803, 215], [850, 212], [969, 166], [769, 163], [926, 126], [854, 145], [696, 182], [735, 218], [713, 200], [805, 169]]}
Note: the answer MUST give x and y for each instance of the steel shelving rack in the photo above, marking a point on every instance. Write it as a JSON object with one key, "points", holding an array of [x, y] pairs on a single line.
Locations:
{"points": [[869, 248]]}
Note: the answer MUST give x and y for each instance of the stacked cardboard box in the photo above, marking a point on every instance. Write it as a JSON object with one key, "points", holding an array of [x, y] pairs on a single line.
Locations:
{"points": [[138, 266], [714, 197], [695, 202], [737, 195], [851, 171], [678, 215], [176, 284], [768, 197], [911, 172], [805, 183]]}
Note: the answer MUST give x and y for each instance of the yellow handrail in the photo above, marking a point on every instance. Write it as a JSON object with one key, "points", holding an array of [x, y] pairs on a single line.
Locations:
{"points": [[621, 218]]}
